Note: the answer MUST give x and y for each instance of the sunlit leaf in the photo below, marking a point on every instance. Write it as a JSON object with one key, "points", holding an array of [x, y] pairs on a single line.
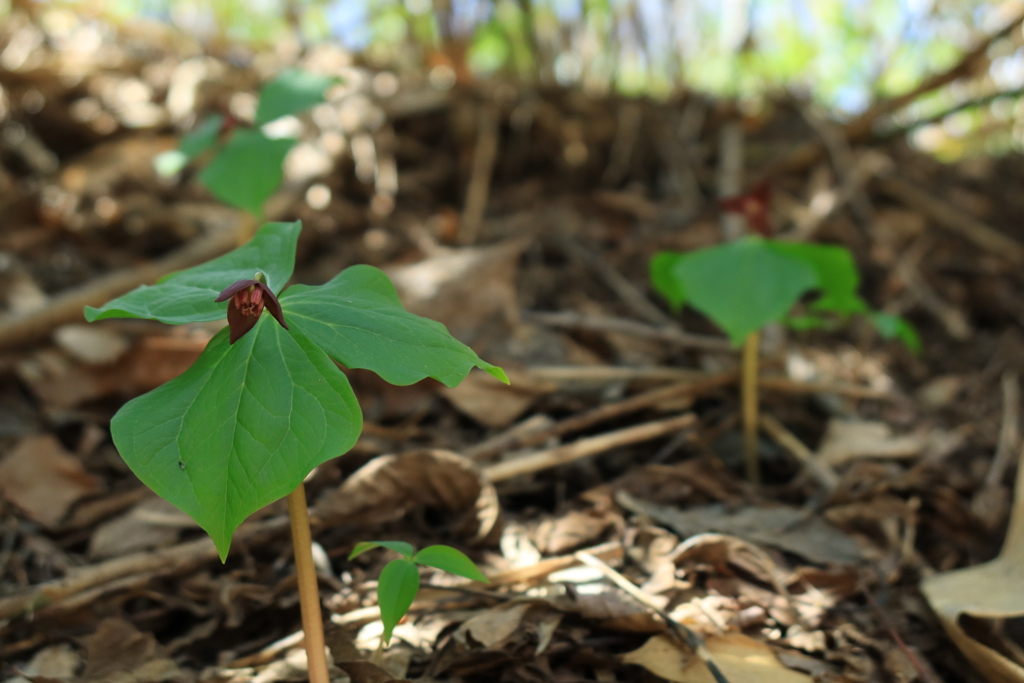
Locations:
{"points": [[239, 429], [187, 296], [359, 321], [396, 589], [449, 559]]}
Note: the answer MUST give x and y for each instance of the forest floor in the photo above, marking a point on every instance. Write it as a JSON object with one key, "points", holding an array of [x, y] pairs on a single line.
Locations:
{"points": [[524, 219]]}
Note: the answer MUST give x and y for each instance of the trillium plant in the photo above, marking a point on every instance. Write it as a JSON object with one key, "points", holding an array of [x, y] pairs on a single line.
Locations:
{"points": [[265, 402], [751, 282]]}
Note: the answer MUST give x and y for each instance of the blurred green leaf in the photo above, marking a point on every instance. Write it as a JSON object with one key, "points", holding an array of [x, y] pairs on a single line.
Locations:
{"points": [[247, 171], [290, 92]]}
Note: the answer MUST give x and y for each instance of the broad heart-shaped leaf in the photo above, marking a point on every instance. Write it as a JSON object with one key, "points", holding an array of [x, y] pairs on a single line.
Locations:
{"points": [[396, 589], [449, 559], [404, 549], [290, 92], [247, 170], [359, 321], [742, 285], [837, 274], [239, 429], [188, 295]]}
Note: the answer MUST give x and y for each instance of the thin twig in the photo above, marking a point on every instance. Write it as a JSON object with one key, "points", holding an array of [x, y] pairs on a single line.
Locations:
{"points": [[819, 469], [584, 448], [479, 187], [683, 633], [671, 335]]}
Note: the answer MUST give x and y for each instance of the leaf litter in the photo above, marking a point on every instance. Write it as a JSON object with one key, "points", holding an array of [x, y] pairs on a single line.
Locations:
{"points": [[612, 461]]}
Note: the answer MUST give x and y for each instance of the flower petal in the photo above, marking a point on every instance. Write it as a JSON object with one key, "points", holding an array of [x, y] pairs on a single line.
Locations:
{"points": [[235, 288], [272, 304], [240, 323]]}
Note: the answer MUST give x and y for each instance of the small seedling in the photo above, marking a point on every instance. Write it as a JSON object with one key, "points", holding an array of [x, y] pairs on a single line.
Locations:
{"points": [[244, 168], [744, 285], [265, 403], [400, 579]]}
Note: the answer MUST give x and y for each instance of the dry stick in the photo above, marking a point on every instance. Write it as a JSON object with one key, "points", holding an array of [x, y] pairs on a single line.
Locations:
{"points": [[730, 176], [819, 469], [954, 219], [587, 447], [609, 411], [749, 399], [630, 294], [480, 178], [20, 329], [182, 557], [671, 335], [1009, 434], [679, 630], [309, 592]]}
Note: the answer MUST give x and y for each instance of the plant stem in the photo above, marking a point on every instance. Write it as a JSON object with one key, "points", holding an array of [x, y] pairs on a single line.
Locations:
{"points": [[309, 592], [749, 397]]}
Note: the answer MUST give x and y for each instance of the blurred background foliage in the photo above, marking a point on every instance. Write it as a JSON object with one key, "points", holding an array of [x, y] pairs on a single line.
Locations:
{"points": [[842, 54]]}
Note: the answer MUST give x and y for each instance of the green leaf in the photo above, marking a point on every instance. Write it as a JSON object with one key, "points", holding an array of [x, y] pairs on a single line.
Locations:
{"points": [[894, 327], [741, 286], [247, 170], [290, 92], [449, 559], [404, 549], [202, 137], [188, 295], [837, 274], [396, 589], [359, 321], [664, 280], [239, 429]]}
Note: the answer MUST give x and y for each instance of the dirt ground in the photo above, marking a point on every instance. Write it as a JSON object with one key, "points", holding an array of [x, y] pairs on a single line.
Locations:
{"points": [[523, 219]]}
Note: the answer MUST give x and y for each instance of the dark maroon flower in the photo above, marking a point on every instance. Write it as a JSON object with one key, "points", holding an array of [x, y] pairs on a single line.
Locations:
{"points": [[753, 206], [248, 299]]}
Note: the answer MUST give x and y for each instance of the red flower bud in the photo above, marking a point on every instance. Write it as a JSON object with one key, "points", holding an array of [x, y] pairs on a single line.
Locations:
{"points": [[248, 299], [753, 206]]}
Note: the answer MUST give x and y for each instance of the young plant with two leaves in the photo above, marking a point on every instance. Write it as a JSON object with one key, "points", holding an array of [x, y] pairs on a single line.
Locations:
{"points": [[751, 282], [243, 164], [265, 402]]}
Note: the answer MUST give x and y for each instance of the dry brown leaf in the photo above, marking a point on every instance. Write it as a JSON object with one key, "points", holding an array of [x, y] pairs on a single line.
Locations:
{"points": [[390, 486], [493, 626], [739, 657], [53, 662], [44, 480], [490, 402], [994, 590], [91, 344], [153, 523], [846, 440], [116, 652], [789, 529], [465, 288]]}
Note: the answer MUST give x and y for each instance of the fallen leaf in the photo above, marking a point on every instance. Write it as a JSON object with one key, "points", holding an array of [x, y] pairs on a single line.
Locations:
{"points": [[847, 440], [44, 480], [389, 487], [993, 590], [91, 344], [152, 523], [789, 529], [739, 657]]}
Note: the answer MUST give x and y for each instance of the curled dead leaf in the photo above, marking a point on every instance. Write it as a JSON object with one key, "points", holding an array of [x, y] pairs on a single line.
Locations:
{"points": [[390, 486]]}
